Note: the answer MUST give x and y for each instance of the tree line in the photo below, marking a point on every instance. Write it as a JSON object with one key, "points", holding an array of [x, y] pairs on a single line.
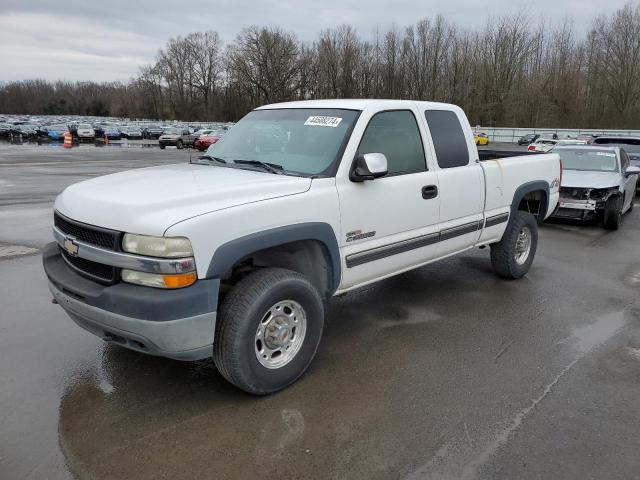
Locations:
{"points": [[510, 72]]}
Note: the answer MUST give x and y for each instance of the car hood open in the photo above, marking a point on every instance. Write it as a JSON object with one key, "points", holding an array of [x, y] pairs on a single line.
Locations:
{"points": [[584, 179], [150, 200]]}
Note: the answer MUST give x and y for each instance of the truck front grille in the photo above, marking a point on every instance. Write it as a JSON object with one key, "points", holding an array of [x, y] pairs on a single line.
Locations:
{"points": [[100, 237], [95, 271]]}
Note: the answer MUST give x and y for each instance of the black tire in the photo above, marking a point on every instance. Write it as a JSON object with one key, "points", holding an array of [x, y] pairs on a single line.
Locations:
{"points": [[162, 146], [504, 253], [179, 145], [245, 306], [613, 213]]}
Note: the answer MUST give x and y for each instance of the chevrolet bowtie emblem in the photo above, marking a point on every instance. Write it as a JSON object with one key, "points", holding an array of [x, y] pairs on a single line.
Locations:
{"points": [[70, 246]]}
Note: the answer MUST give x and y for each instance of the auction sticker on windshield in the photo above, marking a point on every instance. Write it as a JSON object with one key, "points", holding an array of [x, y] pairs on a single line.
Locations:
{"points": [[321, 121]]}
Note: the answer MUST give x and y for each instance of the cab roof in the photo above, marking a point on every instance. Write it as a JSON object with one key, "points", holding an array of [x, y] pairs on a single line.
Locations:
{"points": [[360, 104]]}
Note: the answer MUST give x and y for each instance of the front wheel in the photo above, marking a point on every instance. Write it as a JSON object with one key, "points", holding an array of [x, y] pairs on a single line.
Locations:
{"points": [[179, 144], [613, 213], [162, 146], [513, 255], [268, 330]]}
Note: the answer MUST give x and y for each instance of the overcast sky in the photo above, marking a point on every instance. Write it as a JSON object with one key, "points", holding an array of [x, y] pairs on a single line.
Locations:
{"points": [[96, 40]]}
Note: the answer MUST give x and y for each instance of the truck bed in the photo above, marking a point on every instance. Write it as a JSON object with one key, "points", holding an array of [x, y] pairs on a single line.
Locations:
{"points": [[486, 154]]}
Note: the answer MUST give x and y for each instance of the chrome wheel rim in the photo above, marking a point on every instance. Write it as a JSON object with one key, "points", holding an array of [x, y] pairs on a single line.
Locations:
{"points": [[523, 246], [280, 334]]}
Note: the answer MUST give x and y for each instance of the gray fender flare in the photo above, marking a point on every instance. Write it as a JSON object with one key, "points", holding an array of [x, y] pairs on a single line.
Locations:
{"points": [[229, 253]]}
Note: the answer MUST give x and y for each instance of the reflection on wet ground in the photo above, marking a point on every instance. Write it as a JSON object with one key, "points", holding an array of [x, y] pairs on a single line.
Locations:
{"points": [[97, 142]]}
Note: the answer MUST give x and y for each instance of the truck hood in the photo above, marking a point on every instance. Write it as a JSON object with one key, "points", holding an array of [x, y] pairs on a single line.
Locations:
{"points": [[583, 179], [150, 200]]}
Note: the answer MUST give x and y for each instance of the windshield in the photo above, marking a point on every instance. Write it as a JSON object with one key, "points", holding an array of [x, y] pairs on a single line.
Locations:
{"points": [[589, 160], [173, 131], [303, 141], [85, 126]]}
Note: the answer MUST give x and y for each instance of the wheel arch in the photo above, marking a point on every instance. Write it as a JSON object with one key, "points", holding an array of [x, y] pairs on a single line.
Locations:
{"points": [[303, 245], [531, 190]]}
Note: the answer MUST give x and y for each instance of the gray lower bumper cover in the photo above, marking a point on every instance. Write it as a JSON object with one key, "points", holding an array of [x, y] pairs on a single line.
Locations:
{"points": [[189, 338]]}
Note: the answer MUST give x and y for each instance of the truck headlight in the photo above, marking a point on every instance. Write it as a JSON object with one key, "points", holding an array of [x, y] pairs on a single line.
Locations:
{"points": [[166, 247], [156, 280]]}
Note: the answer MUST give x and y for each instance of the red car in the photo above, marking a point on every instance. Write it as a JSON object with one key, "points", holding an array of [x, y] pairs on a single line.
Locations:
{"points": [[205, 141]]}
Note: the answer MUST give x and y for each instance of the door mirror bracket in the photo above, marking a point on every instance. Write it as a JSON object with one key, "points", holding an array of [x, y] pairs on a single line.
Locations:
{"points": [[368, 166]]}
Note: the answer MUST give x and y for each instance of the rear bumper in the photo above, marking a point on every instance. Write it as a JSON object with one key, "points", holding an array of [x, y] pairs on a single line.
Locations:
{"points": [[177, 324]]}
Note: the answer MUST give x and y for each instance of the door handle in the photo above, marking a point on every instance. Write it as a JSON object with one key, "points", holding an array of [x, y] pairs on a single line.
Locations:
{"points": [[430, 191]]}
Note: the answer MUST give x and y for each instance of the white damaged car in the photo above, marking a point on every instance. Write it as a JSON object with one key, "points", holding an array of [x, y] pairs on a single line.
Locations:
{"points": [[597, 182]]}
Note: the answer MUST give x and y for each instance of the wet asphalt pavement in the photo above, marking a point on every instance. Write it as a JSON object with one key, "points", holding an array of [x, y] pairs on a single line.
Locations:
{"points": [[443, 372]]}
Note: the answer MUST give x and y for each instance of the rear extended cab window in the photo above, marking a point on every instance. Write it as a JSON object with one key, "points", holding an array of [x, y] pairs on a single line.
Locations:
{"points": [[448, 138]]}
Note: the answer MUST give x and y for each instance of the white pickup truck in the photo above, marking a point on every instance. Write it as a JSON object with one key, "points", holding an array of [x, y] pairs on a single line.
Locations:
{"points": [[233, 255]]}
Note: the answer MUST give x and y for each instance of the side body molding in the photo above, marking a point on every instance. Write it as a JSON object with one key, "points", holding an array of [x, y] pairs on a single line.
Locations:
{"points": [[528, 187], [229, 253]]}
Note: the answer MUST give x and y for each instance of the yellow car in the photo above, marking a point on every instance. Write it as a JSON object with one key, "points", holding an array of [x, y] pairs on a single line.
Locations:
{"points": [[481, 138]]}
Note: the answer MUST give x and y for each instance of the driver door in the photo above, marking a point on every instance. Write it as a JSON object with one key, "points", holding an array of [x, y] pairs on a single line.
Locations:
{"points": [[389, 224]]}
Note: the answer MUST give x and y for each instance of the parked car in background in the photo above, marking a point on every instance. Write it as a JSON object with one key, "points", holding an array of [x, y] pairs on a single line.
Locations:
{"points": [[586, 137], [201, 132], [26, 131], [98, 129], [152, 132], [481, 138], [542, 145], [124, 131], [597, 181], [56, 132], [85, 131], [176, 137], [134, 133], [631, 145], [528, 138], [112, 133], [205, 141], [5, 129], [570, 141]]}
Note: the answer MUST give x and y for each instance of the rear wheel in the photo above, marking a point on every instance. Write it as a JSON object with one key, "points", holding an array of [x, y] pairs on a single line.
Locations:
{"points": [[162, 146], [268, 330], [613, 213], [180, 145], [513, 255]]}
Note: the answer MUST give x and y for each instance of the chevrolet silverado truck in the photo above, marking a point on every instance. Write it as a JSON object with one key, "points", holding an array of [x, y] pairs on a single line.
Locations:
{"points": [[232, 256]]}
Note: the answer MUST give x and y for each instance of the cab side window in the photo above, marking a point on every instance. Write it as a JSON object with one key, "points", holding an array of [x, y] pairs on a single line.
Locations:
{"points": [[396, 135], [449, 141]]}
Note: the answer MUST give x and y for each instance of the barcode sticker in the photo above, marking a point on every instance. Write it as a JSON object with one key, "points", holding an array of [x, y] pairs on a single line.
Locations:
{"points": [[320, 121]]}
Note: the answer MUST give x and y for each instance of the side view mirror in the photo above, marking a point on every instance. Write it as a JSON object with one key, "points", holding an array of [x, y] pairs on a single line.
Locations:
{"points": [[632, 170], [368, 166]]}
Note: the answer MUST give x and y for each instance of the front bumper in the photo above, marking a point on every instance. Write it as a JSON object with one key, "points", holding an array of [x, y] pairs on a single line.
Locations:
{"points": [[178, 324], [577, 209]]}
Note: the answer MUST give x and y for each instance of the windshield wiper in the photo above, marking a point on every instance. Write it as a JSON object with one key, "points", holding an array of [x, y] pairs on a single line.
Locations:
{"points": [[269, 167], [208, 158]]}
